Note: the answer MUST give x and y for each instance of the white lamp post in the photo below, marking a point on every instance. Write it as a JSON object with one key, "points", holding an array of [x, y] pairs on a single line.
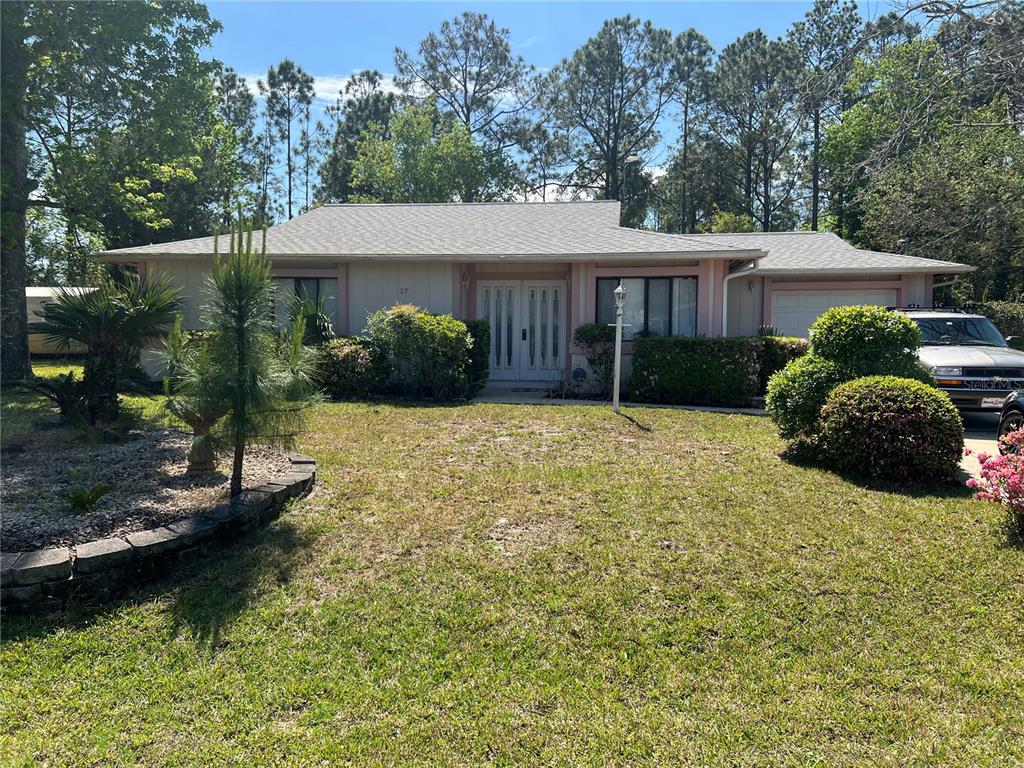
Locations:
{"points": [[620, 299]]}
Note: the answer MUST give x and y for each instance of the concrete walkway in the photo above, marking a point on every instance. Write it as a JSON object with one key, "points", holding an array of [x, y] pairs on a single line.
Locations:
{"points": [[979, 437]]}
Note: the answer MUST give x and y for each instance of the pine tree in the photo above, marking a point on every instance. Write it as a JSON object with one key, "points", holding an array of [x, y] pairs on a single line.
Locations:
{"points": [[289, 92]]}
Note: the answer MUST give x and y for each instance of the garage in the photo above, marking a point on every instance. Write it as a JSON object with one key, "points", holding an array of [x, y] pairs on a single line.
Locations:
{"points": [[793, 312]]}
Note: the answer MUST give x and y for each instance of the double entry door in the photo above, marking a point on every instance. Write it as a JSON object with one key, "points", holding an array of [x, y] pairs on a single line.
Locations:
{"points": [[527, 320]]}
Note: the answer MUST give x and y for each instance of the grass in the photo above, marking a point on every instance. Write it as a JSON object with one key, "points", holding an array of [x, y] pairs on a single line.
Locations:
{"points": [[23, 410], [516, 585]]}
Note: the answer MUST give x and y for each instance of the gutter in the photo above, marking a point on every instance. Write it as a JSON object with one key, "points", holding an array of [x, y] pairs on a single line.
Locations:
{"points": [[750, 268]]}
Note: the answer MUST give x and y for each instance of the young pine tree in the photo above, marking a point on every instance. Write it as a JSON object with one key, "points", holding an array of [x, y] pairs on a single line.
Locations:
{"points": [[259, 381]]}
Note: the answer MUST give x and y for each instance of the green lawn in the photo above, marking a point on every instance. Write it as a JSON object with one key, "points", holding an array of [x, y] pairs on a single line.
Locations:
{"points": [[515, 585], [23, 409]]}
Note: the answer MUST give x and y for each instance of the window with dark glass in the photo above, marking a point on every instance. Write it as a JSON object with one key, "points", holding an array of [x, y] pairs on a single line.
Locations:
{"points": [[654, 306], [313, 289]]}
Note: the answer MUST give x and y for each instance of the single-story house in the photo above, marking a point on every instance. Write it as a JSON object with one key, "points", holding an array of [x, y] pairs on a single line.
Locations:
{"points": [[538, 270]]}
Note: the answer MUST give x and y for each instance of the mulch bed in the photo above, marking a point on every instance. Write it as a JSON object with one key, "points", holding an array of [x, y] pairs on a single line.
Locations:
{"points": [[150, 486]]}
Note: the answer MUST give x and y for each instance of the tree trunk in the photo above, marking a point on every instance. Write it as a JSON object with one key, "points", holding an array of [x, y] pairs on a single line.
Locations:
{"points": [[288, 155], [101, 395], [685, 194], [14, 359], [815, 170]]}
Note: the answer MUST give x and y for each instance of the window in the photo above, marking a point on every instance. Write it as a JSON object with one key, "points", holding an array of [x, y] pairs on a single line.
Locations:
{"points": [[314, 289], [655, 306]]}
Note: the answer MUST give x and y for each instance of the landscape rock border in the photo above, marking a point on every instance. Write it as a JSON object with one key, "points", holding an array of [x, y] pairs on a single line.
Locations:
{"points": [[46, 578]]}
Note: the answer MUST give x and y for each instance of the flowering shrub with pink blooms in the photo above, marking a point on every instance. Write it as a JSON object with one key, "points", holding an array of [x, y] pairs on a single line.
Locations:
{"points": [[1002, 478]]}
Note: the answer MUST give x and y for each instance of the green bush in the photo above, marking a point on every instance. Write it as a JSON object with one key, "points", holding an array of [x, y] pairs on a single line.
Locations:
{"points": [[776, 352], [868, 341], [700, 371], [597, 340], [1008, 317], [351, 368], [429, 355], [797, 393], [891, 428], [479, 353]]}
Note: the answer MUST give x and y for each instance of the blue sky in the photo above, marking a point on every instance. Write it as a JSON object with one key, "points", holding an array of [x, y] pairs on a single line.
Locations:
{"points": [[330, 40]]}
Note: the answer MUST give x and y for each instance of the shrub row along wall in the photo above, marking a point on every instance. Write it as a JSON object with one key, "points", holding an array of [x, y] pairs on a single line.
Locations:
{"points": [[407, 351], [46, 578], [703, 371]]}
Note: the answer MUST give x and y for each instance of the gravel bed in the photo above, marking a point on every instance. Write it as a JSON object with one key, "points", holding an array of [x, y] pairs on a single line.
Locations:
{"points": [[149, 486]]}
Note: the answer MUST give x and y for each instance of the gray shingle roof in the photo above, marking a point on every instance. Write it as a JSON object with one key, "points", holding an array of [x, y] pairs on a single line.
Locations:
{"points": [[485, 230], [583, 230], [791, 253]]}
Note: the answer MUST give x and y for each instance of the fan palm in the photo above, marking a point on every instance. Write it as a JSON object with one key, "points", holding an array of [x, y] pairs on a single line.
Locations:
{"points": [[120, 315]]}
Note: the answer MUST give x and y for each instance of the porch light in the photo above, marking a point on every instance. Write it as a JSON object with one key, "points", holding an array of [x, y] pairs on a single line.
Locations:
{"points": [[620, 296]]}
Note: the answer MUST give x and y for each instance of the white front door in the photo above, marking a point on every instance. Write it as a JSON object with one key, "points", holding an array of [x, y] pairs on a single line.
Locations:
{"points": [[527, 320]]}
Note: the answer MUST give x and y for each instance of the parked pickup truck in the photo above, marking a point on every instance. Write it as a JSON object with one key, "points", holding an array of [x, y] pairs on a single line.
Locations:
{"points": [[968, 358]]}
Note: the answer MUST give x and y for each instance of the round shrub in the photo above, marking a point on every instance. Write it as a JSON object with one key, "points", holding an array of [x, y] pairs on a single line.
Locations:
{"points": [[349, 368], [890, 428], [867, 341], [428, 355], [797, 393]]}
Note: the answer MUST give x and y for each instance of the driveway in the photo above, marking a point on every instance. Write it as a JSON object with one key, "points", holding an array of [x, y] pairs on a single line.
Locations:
{"points": [[979, 437]]}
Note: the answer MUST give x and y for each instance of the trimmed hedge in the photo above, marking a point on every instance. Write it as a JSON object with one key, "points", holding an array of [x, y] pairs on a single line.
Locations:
{"points": [[889, 428], [695, 371], [351, 368], [846, 343], [797, 393], [776, 353], [429, 355], [698, 371], [478, 368], [868, 341]]}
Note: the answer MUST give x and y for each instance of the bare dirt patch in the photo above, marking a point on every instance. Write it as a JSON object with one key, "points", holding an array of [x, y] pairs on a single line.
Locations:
{"points": [[146, 472]]}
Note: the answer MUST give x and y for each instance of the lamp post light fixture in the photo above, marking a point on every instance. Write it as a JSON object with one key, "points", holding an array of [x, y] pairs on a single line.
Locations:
{"points": [[620, 300]]}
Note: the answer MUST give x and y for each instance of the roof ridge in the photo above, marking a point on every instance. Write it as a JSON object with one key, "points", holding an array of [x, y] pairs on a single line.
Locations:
{"points": [[678, 235], [764, 234], [461, 205]]}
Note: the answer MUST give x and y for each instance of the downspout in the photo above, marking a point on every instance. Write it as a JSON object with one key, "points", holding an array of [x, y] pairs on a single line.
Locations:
{"points": [[725, 291]]}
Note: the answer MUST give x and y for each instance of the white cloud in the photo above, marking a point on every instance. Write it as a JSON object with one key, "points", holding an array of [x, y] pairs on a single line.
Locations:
{"points": [[528, 43], [325, 87]]}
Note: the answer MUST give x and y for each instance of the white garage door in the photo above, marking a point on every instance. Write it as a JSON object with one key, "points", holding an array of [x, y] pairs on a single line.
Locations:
{"points": [[793, 312]]}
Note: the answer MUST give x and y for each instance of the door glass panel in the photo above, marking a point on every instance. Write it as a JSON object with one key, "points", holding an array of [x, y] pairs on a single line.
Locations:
{"points": [[555, 326], [658, 292], [532, 317], [508, 323], [544, 326], [684, 306], [498, 305]]}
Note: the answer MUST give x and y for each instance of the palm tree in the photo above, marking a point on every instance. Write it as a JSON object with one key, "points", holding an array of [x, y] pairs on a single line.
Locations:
{"points": [[111, 321]]}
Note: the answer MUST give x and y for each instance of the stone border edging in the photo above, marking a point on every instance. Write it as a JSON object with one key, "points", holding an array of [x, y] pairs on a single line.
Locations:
{"points": [[45, 578]]}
